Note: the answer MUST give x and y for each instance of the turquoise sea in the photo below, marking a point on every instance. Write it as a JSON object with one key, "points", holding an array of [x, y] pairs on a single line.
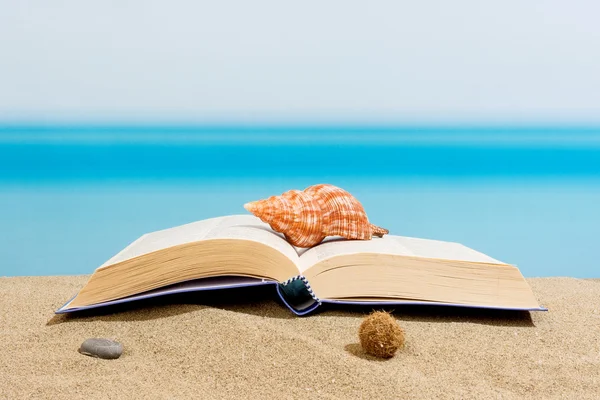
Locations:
{"points": [[72, 196]]}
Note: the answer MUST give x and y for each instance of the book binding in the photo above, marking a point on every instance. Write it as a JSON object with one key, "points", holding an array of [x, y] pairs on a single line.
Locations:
{"points": [[297, 294]]}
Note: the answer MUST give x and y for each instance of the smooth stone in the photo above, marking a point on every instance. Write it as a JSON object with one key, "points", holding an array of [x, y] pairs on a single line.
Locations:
{"points": [[101, 348]]}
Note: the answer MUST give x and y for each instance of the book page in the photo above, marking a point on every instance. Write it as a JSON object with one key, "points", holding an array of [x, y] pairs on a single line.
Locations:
{"points": [[244, 227], [428, 248], [394, 245]]}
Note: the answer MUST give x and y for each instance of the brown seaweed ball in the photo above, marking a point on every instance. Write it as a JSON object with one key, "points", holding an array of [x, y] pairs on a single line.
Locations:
{"points": [[380, 335]]}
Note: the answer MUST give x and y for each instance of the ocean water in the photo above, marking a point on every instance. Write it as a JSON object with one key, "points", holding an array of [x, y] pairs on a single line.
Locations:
{"points": [[72, 196]]}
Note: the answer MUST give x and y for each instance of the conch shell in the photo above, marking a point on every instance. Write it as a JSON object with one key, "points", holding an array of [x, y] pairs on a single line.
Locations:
{"points": [[307, 217]]}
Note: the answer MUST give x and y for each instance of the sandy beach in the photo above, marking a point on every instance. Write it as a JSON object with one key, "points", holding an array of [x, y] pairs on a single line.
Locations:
{"points": [[247, 345]]}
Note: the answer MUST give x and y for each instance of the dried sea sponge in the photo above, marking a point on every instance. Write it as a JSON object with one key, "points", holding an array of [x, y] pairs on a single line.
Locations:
{"points": [[380, 335]]}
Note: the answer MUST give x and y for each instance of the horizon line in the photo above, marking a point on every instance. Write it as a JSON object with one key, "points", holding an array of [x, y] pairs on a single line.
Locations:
{"points": [[449, 124]]}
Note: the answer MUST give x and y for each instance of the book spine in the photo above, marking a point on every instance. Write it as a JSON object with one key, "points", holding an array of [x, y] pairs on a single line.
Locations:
{"points": [[306, 284], [297, 295]]}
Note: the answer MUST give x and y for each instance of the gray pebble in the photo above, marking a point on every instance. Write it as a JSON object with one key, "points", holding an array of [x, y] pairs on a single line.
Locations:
{"points": [[101, 348]]}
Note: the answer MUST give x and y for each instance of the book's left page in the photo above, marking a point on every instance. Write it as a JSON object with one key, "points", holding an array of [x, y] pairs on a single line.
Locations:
{"points": [[221, 282], [244, 227], [237, 245]]}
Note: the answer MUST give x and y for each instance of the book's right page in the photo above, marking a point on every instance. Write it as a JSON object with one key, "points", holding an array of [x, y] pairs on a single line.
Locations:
{"points": [[428, 248], [394, 245], [425, 271]]}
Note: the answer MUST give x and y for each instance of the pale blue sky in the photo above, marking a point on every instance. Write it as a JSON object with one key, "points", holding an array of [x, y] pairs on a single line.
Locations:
{"points": [[367, 61]]}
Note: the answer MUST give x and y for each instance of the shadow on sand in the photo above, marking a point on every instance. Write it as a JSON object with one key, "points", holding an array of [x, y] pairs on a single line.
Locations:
{"points": [[262, 301], [357, 350], [441, 314], [258, 300]]}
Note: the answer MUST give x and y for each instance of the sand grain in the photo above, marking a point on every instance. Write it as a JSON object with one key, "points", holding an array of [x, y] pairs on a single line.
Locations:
{"points": [[225, 348]]}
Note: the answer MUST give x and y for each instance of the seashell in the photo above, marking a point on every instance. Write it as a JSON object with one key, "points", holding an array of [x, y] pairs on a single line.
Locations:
{"points": [[307, 217]]}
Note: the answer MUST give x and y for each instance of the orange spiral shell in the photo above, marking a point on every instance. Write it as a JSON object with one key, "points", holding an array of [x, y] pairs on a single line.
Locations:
{"points": [[307, 217]]}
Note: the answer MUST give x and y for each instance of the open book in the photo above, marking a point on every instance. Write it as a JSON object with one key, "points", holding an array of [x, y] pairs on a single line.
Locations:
{"points": [[240, 250]]}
